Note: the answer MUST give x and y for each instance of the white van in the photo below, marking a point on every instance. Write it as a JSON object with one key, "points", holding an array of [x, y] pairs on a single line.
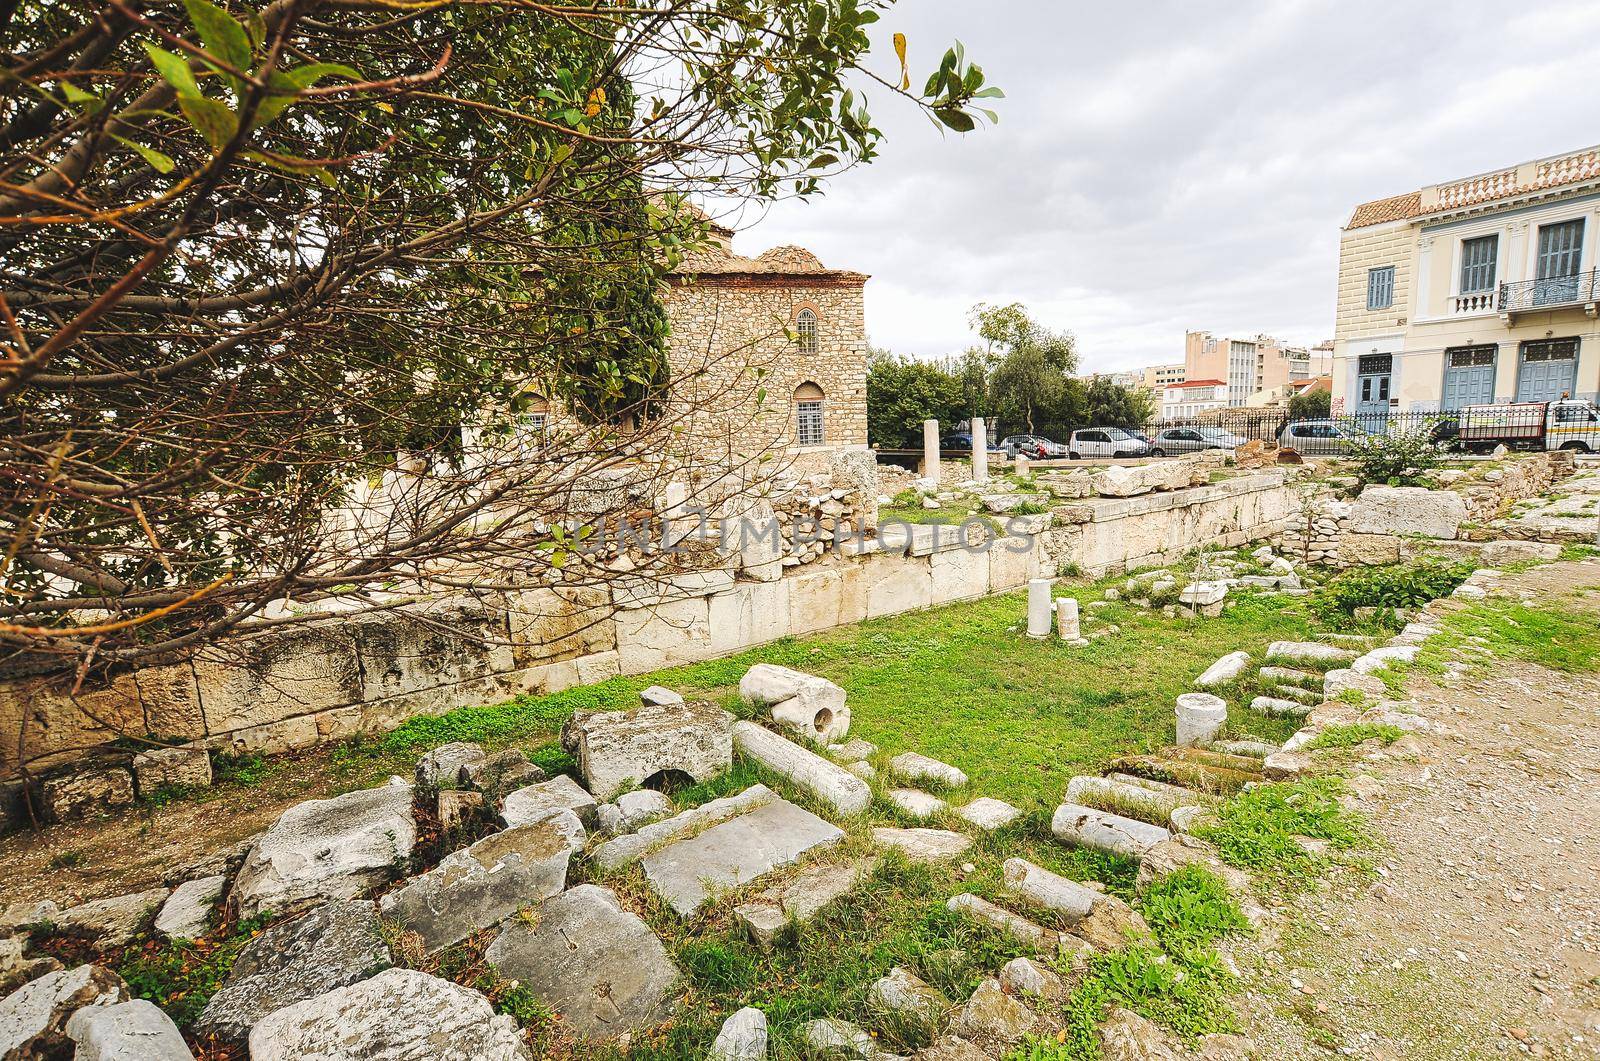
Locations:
{"points": [[1105, 442]]}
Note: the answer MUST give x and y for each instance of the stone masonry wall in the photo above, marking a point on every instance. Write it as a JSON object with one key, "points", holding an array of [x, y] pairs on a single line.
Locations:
{"points": [[739, 369]]}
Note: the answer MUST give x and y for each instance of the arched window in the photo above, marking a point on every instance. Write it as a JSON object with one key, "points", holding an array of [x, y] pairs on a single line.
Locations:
{"points": [[805, 327], [808, 398]]}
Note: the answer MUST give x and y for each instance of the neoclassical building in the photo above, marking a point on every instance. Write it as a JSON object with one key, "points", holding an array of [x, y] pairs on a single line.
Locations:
{"points": [[771, 351], [1477, 290]]}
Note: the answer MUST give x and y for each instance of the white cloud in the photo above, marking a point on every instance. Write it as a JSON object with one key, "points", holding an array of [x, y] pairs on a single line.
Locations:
{"points": [[1170, 165]]}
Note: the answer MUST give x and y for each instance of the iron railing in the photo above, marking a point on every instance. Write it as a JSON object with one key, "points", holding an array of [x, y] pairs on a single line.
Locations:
{"points": [[1477, 431], [1553, 292]]}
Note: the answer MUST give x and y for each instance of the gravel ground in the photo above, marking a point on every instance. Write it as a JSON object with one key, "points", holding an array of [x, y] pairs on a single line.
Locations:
{"points": [[1478, 934]]}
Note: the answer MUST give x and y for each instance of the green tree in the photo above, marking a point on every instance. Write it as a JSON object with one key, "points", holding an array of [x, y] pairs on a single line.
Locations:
{"points": [[902, 393], [1033, 364], [1316, 404], [255, 251]]}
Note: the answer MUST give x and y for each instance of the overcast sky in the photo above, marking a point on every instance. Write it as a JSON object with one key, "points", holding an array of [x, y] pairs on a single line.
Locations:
{"points": [[1166, 166]]}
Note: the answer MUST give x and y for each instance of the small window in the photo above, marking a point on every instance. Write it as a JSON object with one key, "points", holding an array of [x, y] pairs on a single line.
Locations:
{"points": [[805, 328], [1380, 287], [1478, 257], [808, 430]]}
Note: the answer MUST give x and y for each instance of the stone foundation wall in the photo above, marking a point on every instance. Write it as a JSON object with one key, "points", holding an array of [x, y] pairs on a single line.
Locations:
{"points": [[1325, 530], [1110, 535]]}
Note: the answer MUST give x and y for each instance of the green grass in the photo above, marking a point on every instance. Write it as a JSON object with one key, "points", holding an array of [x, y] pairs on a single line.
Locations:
{"points": [[960, 683], [1190, 909], [1554, 635], [181, 976], [1257, 829], [1348, 736]]}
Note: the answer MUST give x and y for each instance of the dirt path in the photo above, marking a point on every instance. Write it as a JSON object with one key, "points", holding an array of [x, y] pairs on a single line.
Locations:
{"points": [[1479, 934]]}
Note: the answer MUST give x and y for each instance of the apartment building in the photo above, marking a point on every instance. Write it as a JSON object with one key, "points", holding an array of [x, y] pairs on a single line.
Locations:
{"points": [[1476, 290], [1195, 397], [1157, 378], [1250, 366]]}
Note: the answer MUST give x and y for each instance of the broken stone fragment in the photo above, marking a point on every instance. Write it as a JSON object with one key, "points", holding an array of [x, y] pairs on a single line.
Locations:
{"points": [[1102, 831], [811, 706], [1200, 717], [916, 803], [743, 1037], [458, 807], [33, 1018], [188, 766], [85, 793], [691, 872], [187, 912], [624, 849], [989, 814], [327, 849], [853, 750], [995, 1019], [998, 917], [112, 922], [128, 1031], [828, 781], [659, 696], [336, 944], [618, 750], [922, 845], [544, 799], [1279, 707], [480, 886], [1026, 977], [1126, 1036], [502, 773], [593, 962], [832, 1038], [398, 1015], [908, 998], [636, 809], [1041, 887], [950, 1048], [1227, 669], [800, 898], [449, 765], [916, 767], [1307, 652]]}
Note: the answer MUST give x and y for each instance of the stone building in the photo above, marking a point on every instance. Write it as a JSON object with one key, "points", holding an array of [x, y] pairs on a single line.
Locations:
{"points": [[770, 352]]}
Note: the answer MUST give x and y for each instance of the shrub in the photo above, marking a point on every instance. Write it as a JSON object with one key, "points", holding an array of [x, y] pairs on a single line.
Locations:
{"points": [[1401, 459], [1399, 586]]}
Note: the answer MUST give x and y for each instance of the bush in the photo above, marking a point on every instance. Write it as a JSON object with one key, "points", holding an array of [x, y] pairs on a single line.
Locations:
{"points": [[1401, 459], [1409, 586]]}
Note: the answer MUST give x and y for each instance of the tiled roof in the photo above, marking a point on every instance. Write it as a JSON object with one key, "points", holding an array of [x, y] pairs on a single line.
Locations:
{"points": [[1199, 383], [779, 261], [1575, 167], [1397, 208]]}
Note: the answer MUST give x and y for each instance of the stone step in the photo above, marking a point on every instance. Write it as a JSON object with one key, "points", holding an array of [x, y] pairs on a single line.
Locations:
{"points": [[922, 845], [1278, 707], [1311, 652], [1120, 797], [1200, 776], [1253, 749], [1290, 676]]}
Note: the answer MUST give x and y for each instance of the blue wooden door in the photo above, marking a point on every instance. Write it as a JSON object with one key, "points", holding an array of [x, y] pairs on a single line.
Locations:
{"points": [[1468, 376], [1547, 370]]}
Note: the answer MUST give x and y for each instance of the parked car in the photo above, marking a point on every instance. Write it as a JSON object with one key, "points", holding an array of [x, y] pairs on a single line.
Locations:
{"points": [[959, 442], [1104, 442], [1192, 440], [1032, 446], [1319, 438]]}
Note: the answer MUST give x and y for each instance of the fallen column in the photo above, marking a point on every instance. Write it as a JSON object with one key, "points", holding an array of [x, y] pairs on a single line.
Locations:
{"points": [[833, 784]]}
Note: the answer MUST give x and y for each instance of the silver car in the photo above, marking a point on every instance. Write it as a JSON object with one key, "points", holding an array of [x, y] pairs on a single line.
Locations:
{"points": [[1192, 440], [1319, 438]]}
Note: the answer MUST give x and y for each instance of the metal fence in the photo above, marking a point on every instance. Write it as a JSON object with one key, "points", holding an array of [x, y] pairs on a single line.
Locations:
{"points": [[1477, 430]]}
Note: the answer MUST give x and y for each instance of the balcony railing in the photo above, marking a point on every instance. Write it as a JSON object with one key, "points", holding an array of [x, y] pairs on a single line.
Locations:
{"points": [[1552, 292], [1475, 302]]}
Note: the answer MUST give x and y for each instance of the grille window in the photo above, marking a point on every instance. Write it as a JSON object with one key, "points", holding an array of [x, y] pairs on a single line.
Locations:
{"points": [[805, 327], [808, 423], [1470, 356]]}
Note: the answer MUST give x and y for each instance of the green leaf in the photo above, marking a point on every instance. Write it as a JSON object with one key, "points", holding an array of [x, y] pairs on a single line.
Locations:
{"points": [[158, 162], [284, 86], [959, 120], [223, 36], [824, 160], [174, 70], [75, 94], [216, 122]]}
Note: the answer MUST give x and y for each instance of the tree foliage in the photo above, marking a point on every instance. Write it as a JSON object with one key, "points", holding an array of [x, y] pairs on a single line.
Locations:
{"points": [[252, 253], [1314, 404], [1021, 373]]}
